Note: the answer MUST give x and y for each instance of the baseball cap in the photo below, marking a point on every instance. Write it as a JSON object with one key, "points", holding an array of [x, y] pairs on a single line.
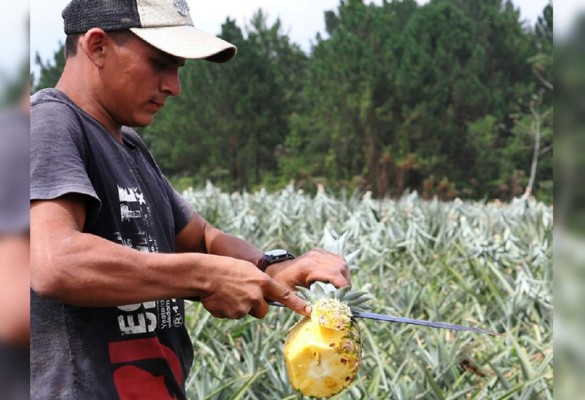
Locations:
{"points": [[164, 24]]}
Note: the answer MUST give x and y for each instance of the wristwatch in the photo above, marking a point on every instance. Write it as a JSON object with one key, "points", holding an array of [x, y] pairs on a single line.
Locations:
{"points": [[273, 257]]}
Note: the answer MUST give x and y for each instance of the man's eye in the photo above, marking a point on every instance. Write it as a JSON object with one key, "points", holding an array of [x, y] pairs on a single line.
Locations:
{"points": [[160, 65]]}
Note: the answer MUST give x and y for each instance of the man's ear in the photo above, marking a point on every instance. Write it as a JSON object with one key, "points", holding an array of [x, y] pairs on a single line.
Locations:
{"points": [[94, 45]]}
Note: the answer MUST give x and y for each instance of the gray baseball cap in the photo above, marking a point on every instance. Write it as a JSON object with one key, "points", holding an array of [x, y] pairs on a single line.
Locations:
{"points": [[164, 24]]}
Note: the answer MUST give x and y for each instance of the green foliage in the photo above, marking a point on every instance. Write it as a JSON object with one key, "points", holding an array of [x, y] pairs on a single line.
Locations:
{"points": [[396, 93], [472, 263], [438, 98], [239, 111], [49, 70]]}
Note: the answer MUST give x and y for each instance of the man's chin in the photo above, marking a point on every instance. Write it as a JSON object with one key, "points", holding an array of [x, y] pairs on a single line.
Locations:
{"points": [[143, 121]]}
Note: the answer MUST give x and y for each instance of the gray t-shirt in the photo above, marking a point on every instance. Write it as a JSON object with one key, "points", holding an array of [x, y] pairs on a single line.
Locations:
{"points": [[139, 351]]}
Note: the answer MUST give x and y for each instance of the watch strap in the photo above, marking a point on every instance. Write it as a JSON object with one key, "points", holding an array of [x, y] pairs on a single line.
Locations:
{"points": [[262, 263], [267, 260]]}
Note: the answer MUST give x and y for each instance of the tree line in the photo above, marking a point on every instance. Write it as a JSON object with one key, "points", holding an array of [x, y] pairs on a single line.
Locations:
{"points": [[451, 98]]}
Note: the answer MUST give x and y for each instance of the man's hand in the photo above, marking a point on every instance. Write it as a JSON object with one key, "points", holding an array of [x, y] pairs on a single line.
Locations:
{"points": [[244, 289], [316, 265]]}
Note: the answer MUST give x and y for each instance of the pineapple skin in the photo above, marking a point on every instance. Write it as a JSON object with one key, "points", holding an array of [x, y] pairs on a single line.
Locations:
{"points": [[320, 361]]}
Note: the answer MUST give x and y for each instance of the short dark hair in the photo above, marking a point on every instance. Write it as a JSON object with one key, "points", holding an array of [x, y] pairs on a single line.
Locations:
{"points": [[71, 41], [71, 44]]}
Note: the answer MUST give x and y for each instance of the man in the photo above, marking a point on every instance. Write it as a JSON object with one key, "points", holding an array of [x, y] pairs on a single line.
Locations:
{"points": [[114, 248]]}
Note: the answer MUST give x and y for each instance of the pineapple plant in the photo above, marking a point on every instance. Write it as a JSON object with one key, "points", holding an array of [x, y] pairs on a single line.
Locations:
{"points": [[501, 250], [323, 352]]}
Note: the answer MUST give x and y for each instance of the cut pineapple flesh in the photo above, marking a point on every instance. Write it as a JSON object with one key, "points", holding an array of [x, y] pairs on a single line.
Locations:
{"points": [[322, 361], [331, 313]]}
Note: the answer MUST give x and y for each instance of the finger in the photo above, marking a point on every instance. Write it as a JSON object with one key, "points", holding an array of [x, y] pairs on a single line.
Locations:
{"points": [[278, 292], [259, 310], [342, 279], [334, 270], [219, 309], [337, 278]]}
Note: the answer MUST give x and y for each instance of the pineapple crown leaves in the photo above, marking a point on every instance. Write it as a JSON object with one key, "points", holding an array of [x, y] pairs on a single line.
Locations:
{"points": [[336, 244], [356, 300], [333, 242]]}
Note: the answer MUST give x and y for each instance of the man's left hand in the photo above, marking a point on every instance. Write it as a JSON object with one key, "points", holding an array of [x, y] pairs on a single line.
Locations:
{"points": [[315, 265]]}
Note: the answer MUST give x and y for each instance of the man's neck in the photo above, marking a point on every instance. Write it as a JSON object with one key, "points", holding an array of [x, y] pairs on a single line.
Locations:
{"points": [[88, 102]]}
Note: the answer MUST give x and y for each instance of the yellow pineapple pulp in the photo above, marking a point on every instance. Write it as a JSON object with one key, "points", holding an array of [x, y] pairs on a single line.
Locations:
{"points": [[323, 351], [331, 313]]}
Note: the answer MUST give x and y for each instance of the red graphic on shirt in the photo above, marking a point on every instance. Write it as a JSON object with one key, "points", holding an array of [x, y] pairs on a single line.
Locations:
{"points": [[133, 382]]}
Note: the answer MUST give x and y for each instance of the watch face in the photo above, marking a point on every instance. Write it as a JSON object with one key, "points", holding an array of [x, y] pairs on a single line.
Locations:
{"points": [[276, 252]]}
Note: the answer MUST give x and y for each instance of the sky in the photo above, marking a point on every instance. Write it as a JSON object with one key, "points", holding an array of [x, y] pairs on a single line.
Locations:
{"points": [[301, 19], [13, 34]]}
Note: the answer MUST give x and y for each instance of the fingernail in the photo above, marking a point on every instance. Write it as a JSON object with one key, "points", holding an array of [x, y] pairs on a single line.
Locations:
{"points": [[308, 310]]}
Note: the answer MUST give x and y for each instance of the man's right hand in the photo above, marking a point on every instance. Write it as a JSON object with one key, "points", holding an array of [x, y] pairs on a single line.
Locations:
{"points": [[244, 289], [85, 270]]}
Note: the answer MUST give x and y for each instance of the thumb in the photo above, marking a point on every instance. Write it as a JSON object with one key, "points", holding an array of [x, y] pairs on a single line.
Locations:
{"points": [[277, 292]]}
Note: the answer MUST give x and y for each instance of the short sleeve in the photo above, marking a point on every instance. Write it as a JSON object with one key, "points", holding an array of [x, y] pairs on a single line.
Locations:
{"points": [[182, 209], [58, 155]]}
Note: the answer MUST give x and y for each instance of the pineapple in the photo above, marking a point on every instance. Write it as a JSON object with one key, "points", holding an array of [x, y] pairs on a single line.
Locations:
{"points": [[323, 352]]}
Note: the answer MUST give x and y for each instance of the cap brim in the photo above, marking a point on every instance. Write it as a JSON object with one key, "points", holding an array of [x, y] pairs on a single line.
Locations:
{"points": [[187, 42]]}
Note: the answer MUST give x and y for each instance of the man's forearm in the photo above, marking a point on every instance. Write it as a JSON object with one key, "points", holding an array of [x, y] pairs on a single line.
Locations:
{"points": [[202, 237], [90, 271], [221, 243]]}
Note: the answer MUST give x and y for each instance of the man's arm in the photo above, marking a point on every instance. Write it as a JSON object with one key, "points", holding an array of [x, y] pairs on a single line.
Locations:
{"points": [[86, 270], [315, 265], [200, 236]]}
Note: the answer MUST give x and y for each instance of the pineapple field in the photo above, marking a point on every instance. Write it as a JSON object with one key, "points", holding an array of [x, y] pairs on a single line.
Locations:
{"points": [[482, 264]]}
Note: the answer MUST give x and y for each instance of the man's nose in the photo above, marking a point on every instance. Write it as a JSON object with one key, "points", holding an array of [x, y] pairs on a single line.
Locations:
{"points": [[171, 83]]}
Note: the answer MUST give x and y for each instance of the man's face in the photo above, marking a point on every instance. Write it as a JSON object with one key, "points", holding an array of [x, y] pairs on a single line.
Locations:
{"points": [[137, 80]]}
